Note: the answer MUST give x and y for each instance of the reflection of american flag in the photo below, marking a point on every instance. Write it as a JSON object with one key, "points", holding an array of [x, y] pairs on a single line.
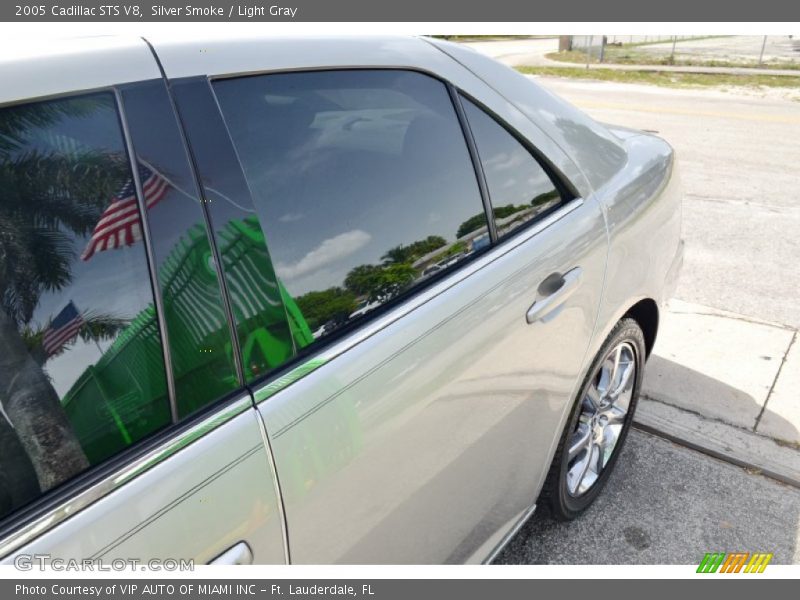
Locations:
{"points": [[119, 225], [62, 329]]}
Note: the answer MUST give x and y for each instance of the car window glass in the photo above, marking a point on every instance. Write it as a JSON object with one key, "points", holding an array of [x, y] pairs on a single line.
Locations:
{"points": [[81, 366], [256, 296], [519, 188], [362, 182]]}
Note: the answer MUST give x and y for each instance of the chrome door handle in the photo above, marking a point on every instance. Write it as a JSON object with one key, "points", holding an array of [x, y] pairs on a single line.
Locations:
{"points": [[240, 554], [556, 288]]}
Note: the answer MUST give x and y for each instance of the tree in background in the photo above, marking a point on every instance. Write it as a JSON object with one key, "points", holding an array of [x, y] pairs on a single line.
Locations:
{"points": [[408, 254], [479, 220], [332, 305]]}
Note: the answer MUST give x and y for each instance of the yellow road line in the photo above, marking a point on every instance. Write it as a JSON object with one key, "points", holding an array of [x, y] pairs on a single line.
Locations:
{"points": [[677, 111]]}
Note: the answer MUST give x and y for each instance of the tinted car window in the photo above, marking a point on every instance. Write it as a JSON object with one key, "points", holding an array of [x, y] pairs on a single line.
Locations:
{"points": [[81, 365], [198, 331], [257, 298], [519, 187], [362, 182]]}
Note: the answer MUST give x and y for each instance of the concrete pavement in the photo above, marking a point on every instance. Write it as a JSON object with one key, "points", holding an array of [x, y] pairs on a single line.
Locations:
{"points": [[516, 53], [721, 365], [724, 384]]}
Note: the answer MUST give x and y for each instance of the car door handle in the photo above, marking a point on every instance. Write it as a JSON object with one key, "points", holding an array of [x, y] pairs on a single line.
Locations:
{"points": [[240, 554], [555, 289]]}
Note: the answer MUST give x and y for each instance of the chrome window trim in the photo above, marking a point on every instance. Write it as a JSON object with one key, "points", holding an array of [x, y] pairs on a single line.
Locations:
{"points": [[270, 387], [113, 481]]}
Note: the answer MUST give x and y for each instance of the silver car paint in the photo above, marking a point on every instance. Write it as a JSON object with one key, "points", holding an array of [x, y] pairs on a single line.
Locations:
{"points": [[427, 438], [40, 68], [193, 504], [423, 441]]}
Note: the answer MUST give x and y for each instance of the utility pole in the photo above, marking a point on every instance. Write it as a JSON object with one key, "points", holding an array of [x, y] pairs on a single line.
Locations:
{"points": [[763, 45]]}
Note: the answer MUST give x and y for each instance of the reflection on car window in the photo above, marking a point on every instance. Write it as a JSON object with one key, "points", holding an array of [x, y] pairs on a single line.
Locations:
{"points": [[362, 182], [519, 187], [256, 296], [198, 331], [81, 366]]}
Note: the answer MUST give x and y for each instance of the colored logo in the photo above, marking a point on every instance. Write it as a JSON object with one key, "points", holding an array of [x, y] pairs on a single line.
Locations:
{"points": [[734, 562]]}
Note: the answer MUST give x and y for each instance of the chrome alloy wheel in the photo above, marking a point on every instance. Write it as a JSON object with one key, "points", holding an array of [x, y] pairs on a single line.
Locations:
{"points": [[602, 416]]}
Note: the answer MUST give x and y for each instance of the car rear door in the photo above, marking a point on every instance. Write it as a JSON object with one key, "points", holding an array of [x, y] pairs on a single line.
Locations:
{"points": [[418, 428], [126, 430]]}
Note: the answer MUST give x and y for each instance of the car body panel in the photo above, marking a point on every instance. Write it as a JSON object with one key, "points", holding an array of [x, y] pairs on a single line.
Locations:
{"points": [[43, 68], [193, 504], [643, 208], [389, 452]]}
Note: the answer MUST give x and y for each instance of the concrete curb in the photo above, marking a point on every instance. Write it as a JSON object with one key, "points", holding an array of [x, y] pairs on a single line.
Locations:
{"points": [[756, 453]]}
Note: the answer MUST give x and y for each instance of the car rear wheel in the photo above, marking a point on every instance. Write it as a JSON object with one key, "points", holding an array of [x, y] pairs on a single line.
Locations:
{"points": [[598, 425]]}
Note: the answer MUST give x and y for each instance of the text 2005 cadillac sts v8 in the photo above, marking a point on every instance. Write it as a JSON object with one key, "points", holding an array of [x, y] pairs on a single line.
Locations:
{"points": [[312, 300]]}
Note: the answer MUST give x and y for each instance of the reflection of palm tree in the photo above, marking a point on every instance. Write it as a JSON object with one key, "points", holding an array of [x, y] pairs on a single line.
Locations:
{"points": [[47, 198]]}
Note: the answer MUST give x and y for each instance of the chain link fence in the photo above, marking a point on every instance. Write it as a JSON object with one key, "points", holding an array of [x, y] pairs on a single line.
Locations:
{"points": [[731, 51]]}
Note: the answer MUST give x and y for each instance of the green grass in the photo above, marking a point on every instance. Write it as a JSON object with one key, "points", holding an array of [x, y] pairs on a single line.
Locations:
{"points": [[667, 79], [628, 55]]}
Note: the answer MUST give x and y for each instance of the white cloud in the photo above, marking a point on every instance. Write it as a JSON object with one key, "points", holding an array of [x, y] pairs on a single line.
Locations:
{"points": [[329, 251]]}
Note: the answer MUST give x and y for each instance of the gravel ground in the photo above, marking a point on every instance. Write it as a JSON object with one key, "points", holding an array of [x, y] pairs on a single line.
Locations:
{"points": [[778, 49]]}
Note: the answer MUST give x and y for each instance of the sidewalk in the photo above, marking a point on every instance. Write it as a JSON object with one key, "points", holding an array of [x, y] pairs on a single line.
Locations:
{"points": [[727, 385]]}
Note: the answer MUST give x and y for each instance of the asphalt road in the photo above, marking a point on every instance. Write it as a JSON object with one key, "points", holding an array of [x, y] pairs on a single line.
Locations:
{"points": [[739, 155], [665, 504], [519, 52]]}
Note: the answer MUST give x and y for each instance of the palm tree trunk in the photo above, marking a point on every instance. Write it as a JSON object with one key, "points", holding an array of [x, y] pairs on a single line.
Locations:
{"points": [[34, 408], [18, 482]]}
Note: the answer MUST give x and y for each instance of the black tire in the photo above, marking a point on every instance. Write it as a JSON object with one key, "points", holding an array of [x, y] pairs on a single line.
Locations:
{"points": [[555, 497]]}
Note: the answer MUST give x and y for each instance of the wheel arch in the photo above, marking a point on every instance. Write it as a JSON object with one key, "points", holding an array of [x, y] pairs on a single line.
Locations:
{"points": [[645, 313]]}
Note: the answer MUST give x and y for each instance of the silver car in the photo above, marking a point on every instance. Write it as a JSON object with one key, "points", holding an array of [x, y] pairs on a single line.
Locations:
{"points": [[360, 300]]}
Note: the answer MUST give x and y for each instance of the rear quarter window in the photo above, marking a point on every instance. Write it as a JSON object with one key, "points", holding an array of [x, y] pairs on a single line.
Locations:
{"points": [[519, 187]]}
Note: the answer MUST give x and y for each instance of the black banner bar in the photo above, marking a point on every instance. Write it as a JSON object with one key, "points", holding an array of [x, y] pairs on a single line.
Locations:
{"points": [[407, 10], [706, 586]]}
